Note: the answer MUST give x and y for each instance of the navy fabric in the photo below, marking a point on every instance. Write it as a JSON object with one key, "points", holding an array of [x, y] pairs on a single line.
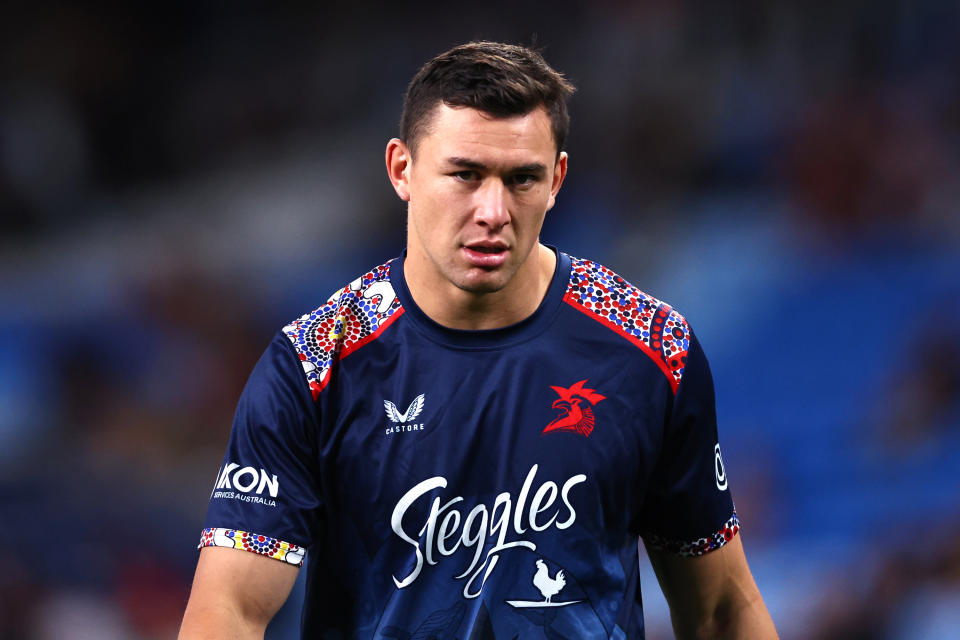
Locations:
{"points": [[504, 494]]}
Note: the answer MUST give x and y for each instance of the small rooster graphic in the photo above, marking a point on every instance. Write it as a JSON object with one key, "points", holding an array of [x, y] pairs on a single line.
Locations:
{"points": [[574, 417], [548, 586]]}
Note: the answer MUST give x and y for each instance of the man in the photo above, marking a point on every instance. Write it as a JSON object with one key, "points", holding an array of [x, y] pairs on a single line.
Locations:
{"points": [[469, 440]]}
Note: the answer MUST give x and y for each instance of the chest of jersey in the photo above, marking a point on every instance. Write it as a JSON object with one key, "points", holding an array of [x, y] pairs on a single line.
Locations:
{"points": [[455, 462]]}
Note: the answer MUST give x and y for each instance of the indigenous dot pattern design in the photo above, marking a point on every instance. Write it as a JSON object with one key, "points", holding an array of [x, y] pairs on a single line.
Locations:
{"points": [[254, 543], [700, 546], [350, 318], [647, 322]]}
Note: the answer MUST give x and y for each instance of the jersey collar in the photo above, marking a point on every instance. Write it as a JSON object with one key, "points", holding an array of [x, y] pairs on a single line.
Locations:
{"points": [[521, 331]]}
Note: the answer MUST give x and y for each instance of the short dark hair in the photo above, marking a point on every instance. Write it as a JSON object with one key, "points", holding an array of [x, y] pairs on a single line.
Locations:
{"points": [[499, 79]]}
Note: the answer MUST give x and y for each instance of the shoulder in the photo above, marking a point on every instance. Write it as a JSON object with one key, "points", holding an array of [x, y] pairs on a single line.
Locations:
{"points": [[350, 318], [651, 325]]}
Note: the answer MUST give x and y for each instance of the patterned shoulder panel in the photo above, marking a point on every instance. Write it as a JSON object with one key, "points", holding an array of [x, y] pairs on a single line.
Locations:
{"points": [[352, 317], [652, 325]]}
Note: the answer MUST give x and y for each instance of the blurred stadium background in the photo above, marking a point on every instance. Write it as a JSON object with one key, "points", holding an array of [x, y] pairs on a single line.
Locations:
{"points": [[177, 181]]}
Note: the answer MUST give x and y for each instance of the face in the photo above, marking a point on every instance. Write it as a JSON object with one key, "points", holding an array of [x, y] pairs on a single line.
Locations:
{"points": [[478, 190]]}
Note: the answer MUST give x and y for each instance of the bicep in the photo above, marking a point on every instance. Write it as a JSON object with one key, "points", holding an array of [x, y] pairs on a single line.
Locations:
{"points": [[235, 594], [713, 595]]}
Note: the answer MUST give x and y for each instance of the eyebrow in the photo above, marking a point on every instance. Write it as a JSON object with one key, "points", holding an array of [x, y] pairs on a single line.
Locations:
{"points": [[534, 167]]}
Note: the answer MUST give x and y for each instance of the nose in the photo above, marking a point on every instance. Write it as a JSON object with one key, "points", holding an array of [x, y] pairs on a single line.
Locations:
{"points": [[491, 206]]}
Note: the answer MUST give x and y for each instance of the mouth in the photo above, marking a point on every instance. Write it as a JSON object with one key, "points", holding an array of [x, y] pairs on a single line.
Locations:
{"points": [[487, 247], [486, 255]]}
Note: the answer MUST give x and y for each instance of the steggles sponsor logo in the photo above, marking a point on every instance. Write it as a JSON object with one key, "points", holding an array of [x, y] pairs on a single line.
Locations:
{"points": [[444, 535], [238, 483]]}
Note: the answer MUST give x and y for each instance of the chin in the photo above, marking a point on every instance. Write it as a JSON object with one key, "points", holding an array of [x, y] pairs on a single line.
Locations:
{"points": [[480, 287], [489, 282]]}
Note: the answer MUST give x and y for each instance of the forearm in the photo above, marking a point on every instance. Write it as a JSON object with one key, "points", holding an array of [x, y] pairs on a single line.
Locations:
{"points": [[714, 595], [740, 618]]}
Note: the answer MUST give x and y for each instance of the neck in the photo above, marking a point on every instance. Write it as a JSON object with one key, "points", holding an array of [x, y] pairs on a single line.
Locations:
{"points": [[452, 307]]}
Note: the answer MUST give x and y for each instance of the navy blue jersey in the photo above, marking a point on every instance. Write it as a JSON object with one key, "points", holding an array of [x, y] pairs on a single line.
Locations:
{"points": [[476, 484]]}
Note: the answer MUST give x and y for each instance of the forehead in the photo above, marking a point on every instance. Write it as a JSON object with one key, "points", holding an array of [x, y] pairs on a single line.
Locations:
{"points": [[465, 132]]}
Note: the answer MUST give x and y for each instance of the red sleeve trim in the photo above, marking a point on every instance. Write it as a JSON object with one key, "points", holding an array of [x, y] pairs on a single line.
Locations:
{"points": [[700, 546]]}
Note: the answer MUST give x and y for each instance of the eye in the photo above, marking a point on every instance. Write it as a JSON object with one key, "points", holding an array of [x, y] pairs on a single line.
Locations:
{"points": [[467, 175], [523, 179]]}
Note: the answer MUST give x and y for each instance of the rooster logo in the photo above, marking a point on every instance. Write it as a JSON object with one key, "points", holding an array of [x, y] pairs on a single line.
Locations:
{"points": [[407, 416], [548, 588], [576, 417]]}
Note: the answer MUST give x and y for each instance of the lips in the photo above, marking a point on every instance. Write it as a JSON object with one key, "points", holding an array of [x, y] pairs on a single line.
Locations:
{"points": [[488, 247], [486, 255]]}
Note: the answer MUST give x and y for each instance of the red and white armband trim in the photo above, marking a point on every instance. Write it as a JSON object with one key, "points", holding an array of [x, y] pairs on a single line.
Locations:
{"points": [[699, 547], [246, 541]]}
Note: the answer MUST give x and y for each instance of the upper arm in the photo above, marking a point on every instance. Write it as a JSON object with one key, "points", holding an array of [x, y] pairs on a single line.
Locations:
{"points": [[264, 507], [713, 595], [235, 594], [688, 522], [687, 506]]}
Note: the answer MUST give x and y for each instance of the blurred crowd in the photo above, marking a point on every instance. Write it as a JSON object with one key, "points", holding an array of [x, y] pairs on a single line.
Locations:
{"points": [[179, 180]]}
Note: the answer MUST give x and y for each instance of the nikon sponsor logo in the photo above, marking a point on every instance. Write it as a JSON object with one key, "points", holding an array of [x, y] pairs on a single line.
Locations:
{"points": [[246, 484]]}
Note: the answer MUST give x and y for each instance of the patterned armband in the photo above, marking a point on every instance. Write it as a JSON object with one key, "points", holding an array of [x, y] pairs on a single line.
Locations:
{"points": [[699, 547], [246, 541]]}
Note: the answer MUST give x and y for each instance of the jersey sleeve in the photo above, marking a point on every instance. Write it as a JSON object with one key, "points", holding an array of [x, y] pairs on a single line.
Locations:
{"points": [[266, 497], [688, 510]]}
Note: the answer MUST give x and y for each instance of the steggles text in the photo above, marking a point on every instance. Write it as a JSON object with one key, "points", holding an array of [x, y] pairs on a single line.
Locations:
{"points": [[447, 528]]}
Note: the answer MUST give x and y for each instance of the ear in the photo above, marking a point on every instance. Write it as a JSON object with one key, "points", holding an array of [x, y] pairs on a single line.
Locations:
{"points": [[398, 167], [559, 173]]}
